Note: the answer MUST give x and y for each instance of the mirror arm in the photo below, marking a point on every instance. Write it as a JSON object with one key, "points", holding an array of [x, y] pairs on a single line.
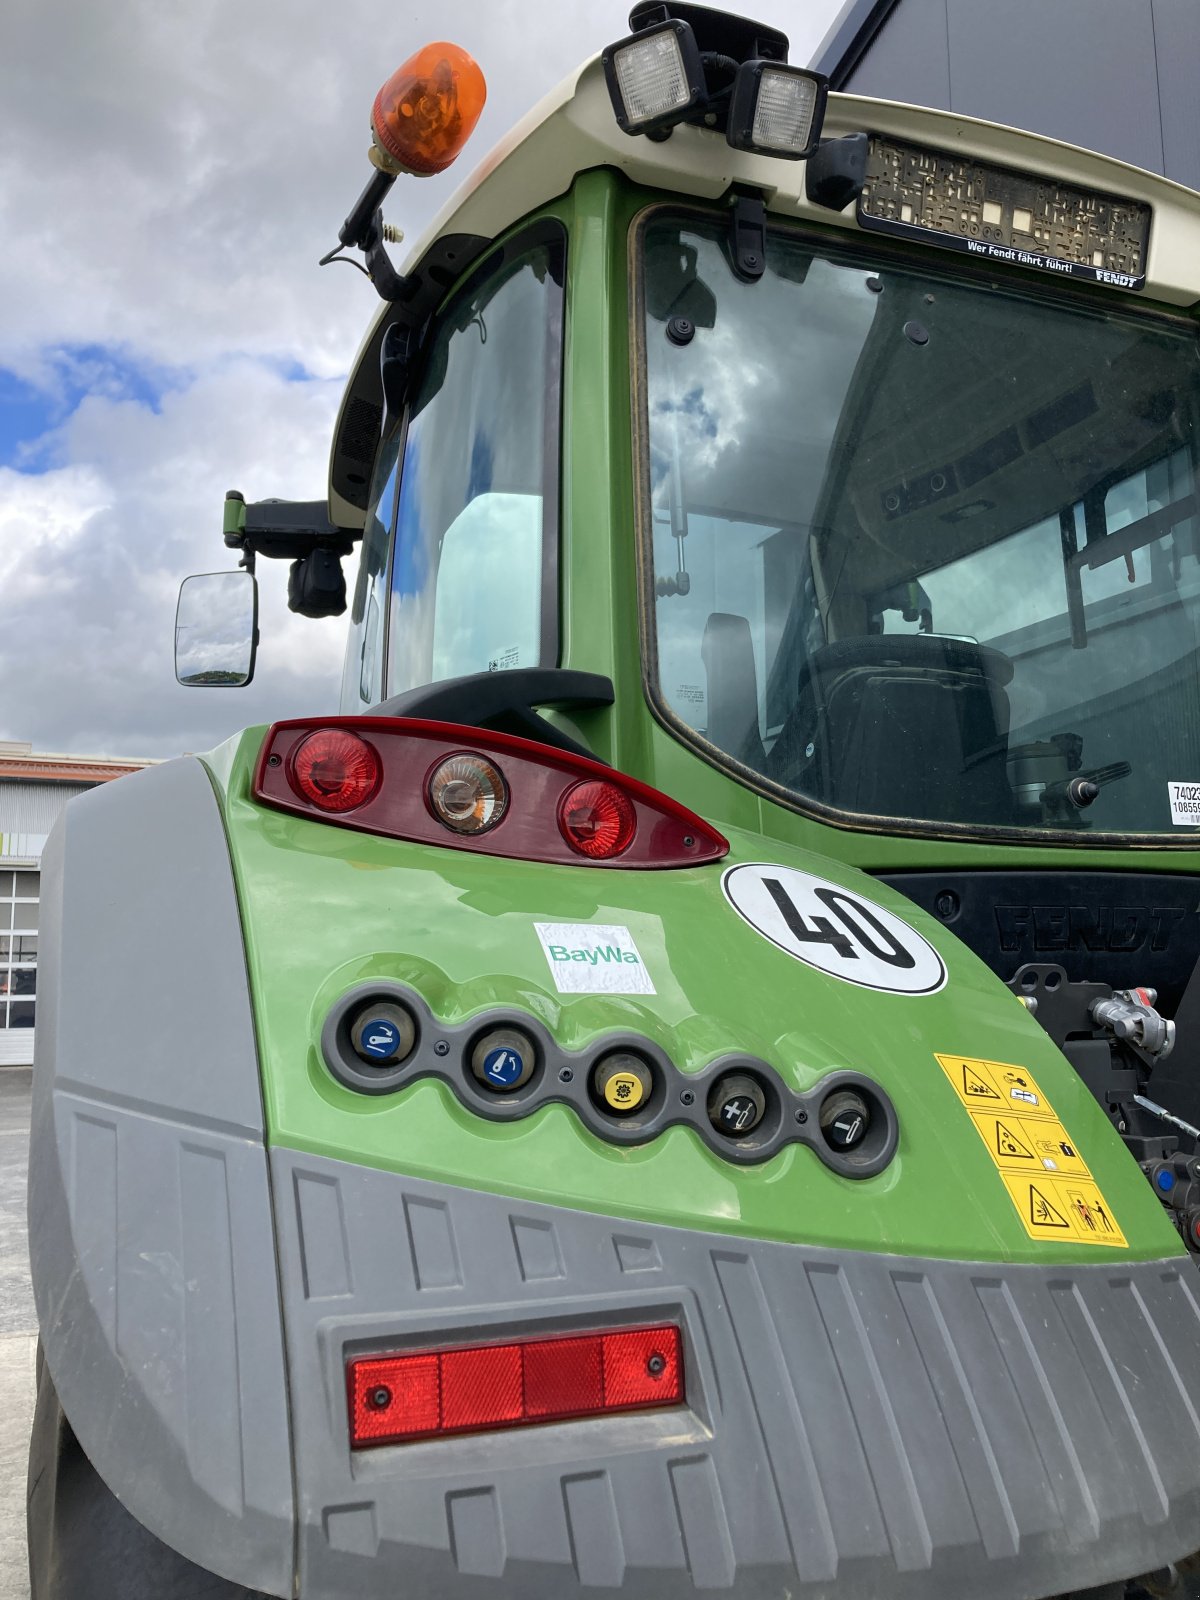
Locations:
{"points": [[283, 530]]}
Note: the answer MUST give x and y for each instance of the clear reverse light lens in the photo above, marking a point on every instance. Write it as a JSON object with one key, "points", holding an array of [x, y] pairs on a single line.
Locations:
{"points": [[468, 794], [651, 77], [783, 114]]}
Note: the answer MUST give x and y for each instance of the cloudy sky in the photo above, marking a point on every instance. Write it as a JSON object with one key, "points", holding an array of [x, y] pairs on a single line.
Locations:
{"points": [[170, 171]]}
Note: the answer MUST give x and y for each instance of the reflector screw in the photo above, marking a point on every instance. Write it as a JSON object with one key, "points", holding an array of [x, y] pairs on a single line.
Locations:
{"points": [[274, 761], [688, 841], [656, 1365], [380, 1398]]}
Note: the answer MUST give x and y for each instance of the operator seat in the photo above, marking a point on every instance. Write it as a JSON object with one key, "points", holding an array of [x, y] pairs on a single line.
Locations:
{"points": [[902, 725]]}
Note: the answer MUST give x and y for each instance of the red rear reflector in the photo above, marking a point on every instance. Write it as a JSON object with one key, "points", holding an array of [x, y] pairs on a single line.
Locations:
{"points": [[398, 1398], [334, 769]]}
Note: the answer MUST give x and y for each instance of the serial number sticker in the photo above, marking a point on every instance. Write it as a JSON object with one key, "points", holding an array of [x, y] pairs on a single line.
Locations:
{"points": [[1036, 1159], [1185, 804], [992, 1085], [827, 927]]}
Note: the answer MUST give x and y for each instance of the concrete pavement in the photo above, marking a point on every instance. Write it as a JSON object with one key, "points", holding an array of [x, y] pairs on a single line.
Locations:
{"points": [[17, 1331]]}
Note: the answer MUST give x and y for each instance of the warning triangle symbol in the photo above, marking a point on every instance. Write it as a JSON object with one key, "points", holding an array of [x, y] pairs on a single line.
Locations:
{"points": [[1007, 1144], [974, 1086], [1041, 1213]]}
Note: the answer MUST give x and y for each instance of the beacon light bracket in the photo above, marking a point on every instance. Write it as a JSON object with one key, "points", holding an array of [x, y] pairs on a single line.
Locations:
{"points": [[422, 117]]}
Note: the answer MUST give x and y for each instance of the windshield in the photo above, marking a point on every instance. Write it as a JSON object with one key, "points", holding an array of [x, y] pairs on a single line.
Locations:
{"points": [[924, 547]]}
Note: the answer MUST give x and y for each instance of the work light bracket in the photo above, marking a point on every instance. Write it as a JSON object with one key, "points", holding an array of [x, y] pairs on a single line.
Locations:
{"points": [[715, 32]]}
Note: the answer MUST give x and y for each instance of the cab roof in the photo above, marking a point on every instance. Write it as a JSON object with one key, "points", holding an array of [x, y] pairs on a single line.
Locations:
{"points": [[573, 130]]}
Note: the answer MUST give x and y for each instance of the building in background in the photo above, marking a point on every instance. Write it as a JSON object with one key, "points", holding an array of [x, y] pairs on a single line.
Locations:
{"points": [[34, 790], [1118, 76]]}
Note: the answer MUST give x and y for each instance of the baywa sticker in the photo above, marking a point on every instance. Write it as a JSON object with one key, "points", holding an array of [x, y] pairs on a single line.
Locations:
{"points": [[593, 958], [828, 927]]}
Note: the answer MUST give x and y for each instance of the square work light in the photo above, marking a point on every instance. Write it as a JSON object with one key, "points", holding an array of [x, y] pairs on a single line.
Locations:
{"points": [[655, 77], [777, 110]]}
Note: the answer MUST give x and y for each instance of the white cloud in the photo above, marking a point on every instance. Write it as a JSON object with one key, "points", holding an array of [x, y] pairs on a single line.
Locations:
{"points": [[169, 175]]}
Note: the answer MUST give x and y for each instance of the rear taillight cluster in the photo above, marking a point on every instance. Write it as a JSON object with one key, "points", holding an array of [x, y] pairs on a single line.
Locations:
{"points": [[438, 783], [425, 1394]]}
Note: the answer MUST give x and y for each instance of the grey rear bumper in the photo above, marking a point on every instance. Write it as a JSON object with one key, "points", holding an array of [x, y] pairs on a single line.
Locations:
{"points": [[857, 1426]]}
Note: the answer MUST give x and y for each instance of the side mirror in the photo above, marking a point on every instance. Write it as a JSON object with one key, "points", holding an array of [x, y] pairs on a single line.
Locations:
{"points": [[216, 630]]}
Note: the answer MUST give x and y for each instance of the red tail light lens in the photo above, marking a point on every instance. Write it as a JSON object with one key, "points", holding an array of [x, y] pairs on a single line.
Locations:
{"points": [[441, 784], [335, 770], [597, 820], [394, 1399]]}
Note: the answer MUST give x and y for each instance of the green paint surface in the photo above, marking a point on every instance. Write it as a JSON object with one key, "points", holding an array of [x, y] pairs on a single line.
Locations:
{"points": [[325, 907]]}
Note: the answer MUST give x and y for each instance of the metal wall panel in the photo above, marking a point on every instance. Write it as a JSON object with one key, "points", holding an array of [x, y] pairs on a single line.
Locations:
{"points": [[1177, 46], [1116, 76], [911, 51], [16, 1047], [34, 807], [1079, 70]]}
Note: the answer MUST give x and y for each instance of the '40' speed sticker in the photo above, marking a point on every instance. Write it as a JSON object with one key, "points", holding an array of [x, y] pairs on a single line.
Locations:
{"points": [[827, 927]]}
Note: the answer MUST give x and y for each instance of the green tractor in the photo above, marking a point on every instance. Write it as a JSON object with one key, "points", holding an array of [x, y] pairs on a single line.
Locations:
{"points": [[688, 1083]]}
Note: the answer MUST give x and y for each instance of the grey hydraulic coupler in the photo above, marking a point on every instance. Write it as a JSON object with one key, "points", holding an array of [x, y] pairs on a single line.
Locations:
{"points": [[1131, 1016]]}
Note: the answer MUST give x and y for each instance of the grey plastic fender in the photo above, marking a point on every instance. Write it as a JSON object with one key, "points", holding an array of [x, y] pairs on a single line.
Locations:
{"points": [[150, 1225]]}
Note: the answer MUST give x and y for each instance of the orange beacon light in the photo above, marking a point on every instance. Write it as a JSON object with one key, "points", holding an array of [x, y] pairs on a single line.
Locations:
{"points": [[427, 110]]}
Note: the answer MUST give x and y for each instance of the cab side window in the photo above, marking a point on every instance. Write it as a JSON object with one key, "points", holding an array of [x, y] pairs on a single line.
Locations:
{"points": [[474, 569]]}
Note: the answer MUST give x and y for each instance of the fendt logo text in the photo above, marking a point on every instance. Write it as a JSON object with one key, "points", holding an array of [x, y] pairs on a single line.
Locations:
{"points": [[1086, 927]]}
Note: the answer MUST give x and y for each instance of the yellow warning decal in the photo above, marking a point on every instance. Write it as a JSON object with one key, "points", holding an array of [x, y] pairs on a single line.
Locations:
{"points": [[979, 1084], [1038, 1162], [1033, 1143], [1063, 1208]]}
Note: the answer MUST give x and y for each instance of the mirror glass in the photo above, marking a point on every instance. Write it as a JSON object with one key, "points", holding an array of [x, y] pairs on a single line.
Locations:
{"points": [[216, 630]]}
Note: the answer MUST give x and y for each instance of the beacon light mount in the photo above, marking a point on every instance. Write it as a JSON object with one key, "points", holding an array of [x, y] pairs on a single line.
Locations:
{"points": [[421, 119], [690, 63]]}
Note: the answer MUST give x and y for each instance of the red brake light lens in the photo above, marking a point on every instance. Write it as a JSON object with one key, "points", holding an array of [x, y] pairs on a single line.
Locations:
{"points": [[394, 1399], [597, 820], [335, 770]]}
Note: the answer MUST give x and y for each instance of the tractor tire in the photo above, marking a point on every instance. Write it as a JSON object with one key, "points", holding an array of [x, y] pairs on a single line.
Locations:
{"points": [[83, 1544]]}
